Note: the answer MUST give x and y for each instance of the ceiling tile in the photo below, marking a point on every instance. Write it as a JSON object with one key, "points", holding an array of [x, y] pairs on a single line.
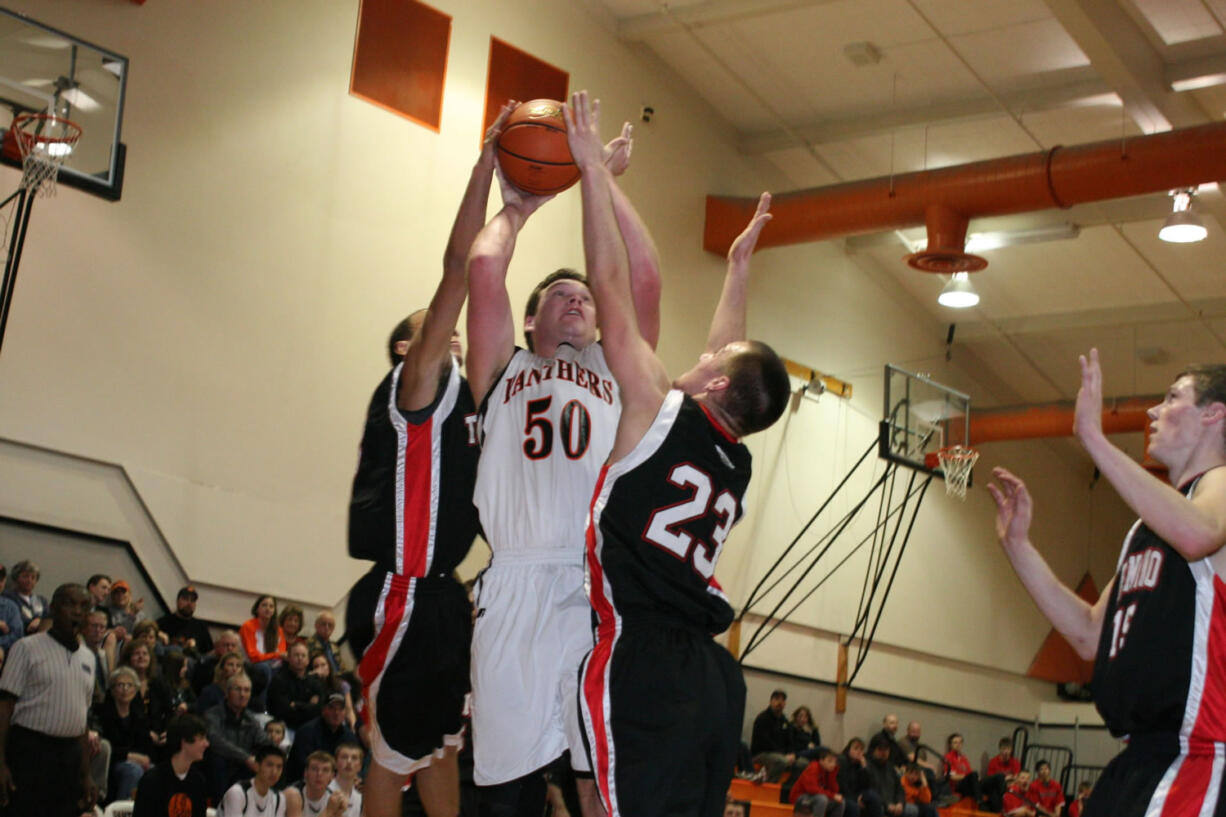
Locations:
{"points": [[960, 17], [1000, 54], [1178, 21]]}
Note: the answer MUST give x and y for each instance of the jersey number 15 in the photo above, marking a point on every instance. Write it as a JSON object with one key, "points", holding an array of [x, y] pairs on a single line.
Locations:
{"points": [[664, 527]]}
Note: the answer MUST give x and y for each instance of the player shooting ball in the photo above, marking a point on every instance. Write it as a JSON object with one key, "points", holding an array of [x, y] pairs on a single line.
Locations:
{"points": [[662, 703]]}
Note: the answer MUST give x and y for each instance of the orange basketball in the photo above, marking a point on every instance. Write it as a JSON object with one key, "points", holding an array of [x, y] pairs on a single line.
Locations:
{"points": [[533, 151]]}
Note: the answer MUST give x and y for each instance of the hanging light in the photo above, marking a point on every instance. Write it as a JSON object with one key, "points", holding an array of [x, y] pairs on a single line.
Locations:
{"points": [[958, 293], [1183, 226]]}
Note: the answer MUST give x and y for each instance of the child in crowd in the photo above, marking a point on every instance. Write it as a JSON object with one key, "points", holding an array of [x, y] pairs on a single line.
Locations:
{"points": [[275, 730], [917, 796], [1017, 799], [1079, 802], [1002, 769], [816, 791], [347, 781], [1046, 793]]}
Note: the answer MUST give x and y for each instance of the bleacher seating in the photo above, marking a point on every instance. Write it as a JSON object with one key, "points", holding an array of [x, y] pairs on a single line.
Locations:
{"points": [[1058, 756], [1074, 774]]}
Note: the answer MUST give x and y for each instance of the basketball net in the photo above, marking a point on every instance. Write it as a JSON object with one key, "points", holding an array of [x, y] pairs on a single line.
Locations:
{"points": [[956, 464], [45, 141]]}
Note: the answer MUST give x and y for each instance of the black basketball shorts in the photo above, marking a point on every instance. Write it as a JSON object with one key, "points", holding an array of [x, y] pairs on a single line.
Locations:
{"points": [[412, 637], [1153, 776], [662, 709]]}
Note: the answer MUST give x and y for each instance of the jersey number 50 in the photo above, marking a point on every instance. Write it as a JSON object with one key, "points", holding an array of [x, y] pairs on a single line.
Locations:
{"points": [[574, 423], [664, 526]]}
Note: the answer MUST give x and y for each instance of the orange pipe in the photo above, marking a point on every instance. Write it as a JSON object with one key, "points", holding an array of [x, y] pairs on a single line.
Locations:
{"points": [[1056, 421], [1059, 177]]}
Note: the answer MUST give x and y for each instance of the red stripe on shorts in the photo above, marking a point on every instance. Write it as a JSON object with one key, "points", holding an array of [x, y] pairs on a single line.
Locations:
{"points": [[375, 659]]}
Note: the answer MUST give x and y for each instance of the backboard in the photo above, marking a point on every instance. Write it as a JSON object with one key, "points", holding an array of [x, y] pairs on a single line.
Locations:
{"points": [[43, 70], [920, 418]]}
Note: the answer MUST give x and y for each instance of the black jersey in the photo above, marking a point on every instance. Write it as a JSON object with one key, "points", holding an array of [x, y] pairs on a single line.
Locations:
{"points": [[659, 519], [411, 510], [1161, 665]]}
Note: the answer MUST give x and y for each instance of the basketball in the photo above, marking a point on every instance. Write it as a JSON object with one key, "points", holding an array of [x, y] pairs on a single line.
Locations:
{"points": [[532, 149]]}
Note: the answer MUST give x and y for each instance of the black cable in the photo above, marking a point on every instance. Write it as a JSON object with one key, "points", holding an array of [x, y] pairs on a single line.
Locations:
{"points": [[901, 507], [907, 538], [887, 551], [753, 639], [753, 595]]}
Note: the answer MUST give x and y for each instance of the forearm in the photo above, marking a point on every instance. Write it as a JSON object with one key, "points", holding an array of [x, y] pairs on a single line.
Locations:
{"points": [[728, 323], [1071, 615], [471, 215], [1177, 520], [605, 254], [644, 263]]}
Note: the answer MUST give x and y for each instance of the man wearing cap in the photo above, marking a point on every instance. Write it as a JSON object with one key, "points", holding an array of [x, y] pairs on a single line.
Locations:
{"points": [[123, 612], [184, 629], [324, 733]]}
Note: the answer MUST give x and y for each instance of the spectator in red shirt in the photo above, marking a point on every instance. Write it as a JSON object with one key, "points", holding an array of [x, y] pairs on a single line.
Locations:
{"points": [[917, 797], [1017, 799], [1046, 793], [816, 791], [963, 779], [1002, 770], [1079, 802]]}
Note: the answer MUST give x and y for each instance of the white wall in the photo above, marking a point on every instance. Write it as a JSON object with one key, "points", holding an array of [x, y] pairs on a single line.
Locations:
{"points": [[215, 334]]}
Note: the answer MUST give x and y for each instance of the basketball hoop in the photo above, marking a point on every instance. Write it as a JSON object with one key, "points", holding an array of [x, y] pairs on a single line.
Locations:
{"points": [[44, 141], [956, 464]]}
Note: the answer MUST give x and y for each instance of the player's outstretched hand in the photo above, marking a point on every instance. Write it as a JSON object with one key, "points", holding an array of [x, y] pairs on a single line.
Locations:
{"points": [[1088, 417], [617, 152], [1014, 507], [490, 145], [744, 244], [583, 130], [512, 196]]}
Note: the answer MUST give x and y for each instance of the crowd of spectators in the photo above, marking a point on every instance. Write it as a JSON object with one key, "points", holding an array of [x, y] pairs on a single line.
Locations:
{"points": [[155, 710], [892, 776], [167, 710]]}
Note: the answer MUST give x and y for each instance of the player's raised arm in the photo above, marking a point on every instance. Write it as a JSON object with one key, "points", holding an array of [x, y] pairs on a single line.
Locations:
{"points": [[641, 250], [428, 349], [491, 325], [1194, 526], [1077, 620], [728, 323], [641, 378]]}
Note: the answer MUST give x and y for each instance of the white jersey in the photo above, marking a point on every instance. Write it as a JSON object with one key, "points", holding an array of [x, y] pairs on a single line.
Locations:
{"points": [[547, 426], [354, 809], [242, 800]]}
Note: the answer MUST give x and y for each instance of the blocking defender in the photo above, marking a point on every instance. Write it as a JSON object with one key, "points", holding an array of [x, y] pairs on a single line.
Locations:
{"points": [[548, 415], [411, 512], [662, 703], [1158, 631]]}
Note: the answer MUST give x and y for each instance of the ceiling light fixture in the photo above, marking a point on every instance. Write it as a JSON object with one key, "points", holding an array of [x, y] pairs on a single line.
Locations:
{"points": [[1183, 226], [958, 293]]}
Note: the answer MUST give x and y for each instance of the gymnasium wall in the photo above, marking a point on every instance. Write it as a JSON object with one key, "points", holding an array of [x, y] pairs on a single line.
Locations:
{"points": [[214, 336]]}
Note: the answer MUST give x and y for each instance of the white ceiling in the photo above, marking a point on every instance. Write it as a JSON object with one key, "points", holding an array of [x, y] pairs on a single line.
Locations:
{"points": [[964, 80]]}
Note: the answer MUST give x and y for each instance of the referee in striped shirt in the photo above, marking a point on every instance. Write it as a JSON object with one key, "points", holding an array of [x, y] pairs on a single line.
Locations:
{"points": [[45, 691]]}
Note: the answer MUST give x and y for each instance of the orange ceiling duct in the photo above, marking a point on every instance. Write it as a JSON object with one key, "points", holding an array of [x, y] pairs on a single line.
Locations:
{"points": [[945, 199], [1056, 421]]}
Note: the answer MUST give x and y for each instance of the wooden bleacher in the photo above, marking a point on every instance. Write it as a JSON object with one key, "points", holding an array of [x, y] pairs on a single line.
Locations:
{"points": [[764, 801]]}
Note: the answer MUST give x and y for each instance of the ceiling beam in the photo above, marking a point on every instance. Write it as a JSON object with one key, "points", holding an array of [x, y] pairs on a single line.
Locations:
{"points": [[1123, 55], [1079, 85], [704, 14], [1169, 312]]}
